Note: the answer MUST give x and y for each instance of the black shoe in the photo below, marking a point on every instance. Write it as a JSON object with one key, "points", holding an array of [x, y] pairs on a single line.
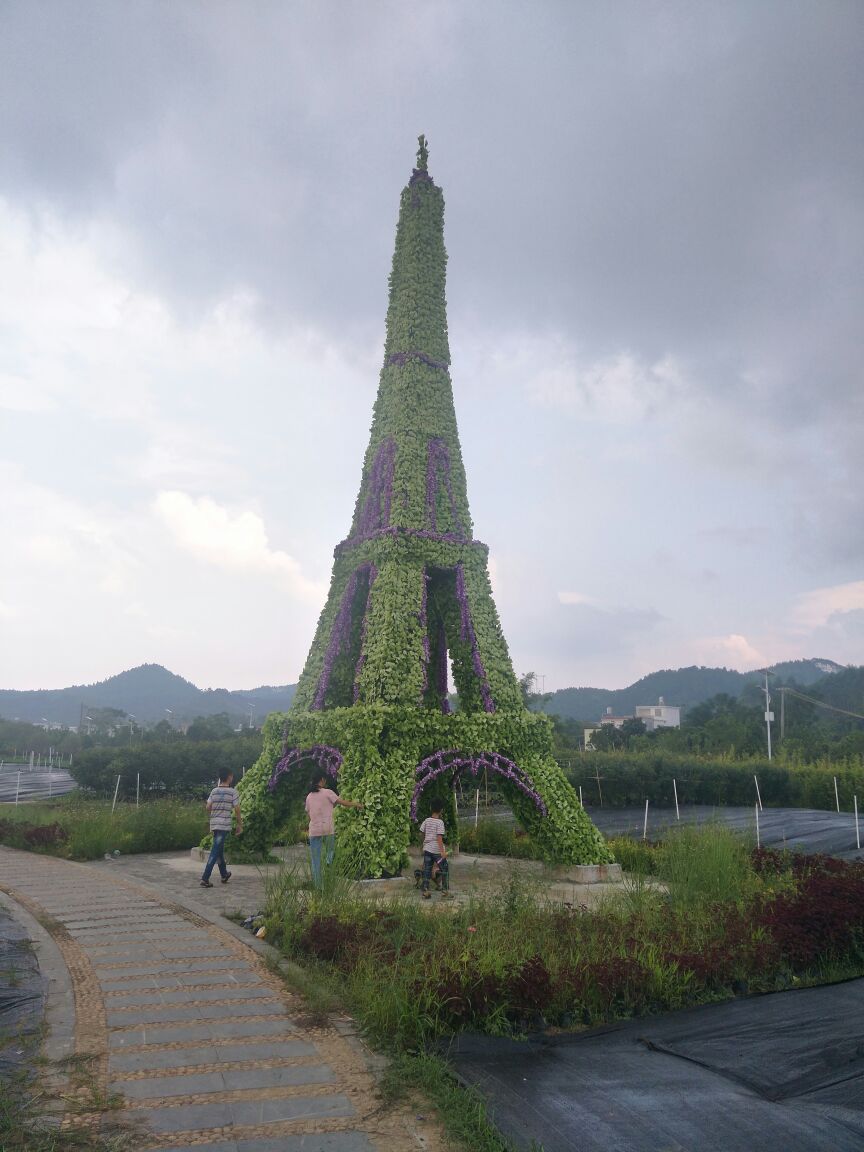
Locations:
{"points": [[226, 877], [206, 884]]}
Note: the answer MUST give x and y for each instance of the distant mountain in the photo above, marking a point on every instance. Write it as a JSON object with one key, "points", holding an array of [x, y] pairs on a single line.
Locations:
{"points": [[683, 687], [150, 693]]}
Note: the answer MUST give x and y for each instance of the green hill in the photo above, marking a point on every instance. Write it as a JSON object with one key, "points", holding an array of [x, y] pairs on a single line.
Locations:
{"points": [[683, 687], [150, 692]]}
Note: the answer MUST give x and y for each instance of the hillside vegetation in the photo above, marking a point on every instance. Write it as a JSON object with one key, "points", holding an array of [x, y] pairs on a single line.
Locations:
{"points": [[683, 687]]}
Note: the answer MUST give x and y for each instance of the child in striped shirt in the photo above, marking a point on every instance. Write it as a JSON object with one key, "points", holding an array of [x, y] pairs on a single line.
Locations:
{"points": [[434, 852]]}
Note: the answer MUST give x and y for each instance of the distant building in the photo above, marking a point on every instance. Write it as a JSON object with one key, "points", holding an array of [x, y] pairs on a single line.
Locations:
{"points": [[615, 721], [659, 715], [653, 716]]}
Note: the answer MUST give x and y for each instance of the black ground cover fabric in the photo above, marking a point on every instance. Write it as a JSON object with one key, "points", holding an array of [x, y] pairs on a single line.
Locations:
{"points": [[22, 993], [798, 829], [782, 1071]]}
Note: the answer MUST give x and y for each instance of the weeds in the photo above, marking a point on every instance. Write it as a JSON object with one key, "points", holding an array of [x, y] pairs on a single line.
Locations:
{"points": [[462, 1109], [26, 1124]]}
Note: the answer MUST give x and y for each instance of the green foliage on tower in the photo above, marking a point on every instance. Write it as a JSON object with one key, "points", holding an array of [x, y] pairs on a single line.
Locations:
{"points": [[410, 604]]}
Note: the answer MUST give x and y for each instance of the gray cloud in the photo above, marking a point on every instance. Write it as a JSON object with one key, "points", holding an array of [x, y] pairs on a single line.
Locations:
{"points": [[651, 176], [646, 180]]}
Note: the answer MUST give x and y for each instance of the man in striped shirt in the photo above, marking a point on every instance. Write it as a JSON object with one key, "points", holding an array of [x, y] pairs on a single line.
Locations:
{"points": [[222, 803]]}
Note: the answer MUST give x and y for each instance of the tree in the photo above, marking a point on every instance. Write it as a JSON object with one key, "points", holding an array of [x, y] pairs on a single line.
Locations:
{"points": [[608, 738], [216, 727]]}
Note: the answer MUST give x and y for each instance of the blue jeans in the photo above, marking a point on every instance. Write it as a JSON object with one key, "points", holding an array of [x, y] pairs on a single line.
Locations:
{"points": [[430, 859], [315, 843], [217, 854]]}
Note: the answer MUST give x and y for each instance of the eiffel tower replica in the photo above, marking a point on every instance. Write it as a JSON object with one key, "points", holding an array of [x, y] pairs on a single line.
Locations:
{"points": [[409, 601]]}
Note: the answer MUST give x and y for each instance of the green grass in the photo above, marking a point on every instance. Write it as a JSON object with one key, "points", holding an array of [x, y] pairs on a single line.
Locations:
{"points": [[82, 828], [708, 863]]}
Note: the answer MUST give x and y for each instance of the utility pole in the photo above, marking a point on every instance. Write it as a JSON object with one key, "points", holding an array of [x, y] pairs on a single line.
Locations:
{"points": [[782, 714], [769, 715]]}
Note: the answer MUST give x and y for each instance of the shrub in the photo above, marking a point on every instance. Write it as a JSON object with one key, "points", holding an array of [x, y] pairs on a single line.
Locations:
{"points": [[637, 856], [822, 917], [627, 779]]}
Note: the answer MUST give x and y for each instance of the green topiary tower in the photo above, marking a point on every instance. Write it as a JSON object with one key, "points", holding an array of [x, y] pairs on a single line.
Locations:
{"points": [[410, 585]]}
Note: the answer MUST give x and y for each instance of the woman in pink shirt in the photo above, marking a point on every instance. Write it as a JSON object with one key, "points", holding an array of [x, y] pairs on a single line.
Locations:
{"points": [[319, 807]]}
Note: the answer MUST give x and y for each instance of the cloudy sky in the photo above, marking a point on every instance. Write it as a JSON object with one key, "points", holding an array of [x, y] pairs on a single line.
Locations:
{"points": [[654, 222]]}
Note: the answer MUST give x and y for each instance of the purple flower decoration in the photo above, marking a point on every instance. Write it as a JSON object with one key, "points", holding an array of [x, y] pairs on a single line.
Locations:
{"points": [[454, 762], [438, 469], [328, 759], [340, 636], [412, 354], [376, 509]]}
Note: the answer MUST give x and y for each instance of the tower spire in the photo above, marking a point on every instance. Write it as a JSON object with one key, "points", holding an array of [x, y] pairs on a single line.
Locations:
{"points": [[414, 407], [422, 153]]}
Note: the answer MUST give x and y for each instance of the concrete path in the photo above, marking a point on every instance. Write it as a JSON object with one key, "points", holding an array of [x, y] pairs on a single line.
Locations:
{"points": [[186, 1028], [470, 877]]}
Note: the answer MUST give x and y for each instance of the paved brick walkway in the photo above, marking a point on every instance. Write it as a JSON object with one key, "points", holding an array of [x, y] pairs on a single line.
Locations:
{"points": [[180, 1017]]}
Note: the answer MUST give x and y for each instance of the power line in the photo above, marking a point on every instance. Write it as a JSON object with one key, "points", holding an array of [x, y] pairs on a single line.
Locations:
{"points": [[822, 704]]}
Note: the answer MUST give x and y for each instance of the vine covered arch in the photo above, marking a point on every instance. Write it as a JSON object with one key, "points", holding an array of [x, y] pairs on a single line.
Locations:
{"points": [[291, 779], [451, 764]]}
